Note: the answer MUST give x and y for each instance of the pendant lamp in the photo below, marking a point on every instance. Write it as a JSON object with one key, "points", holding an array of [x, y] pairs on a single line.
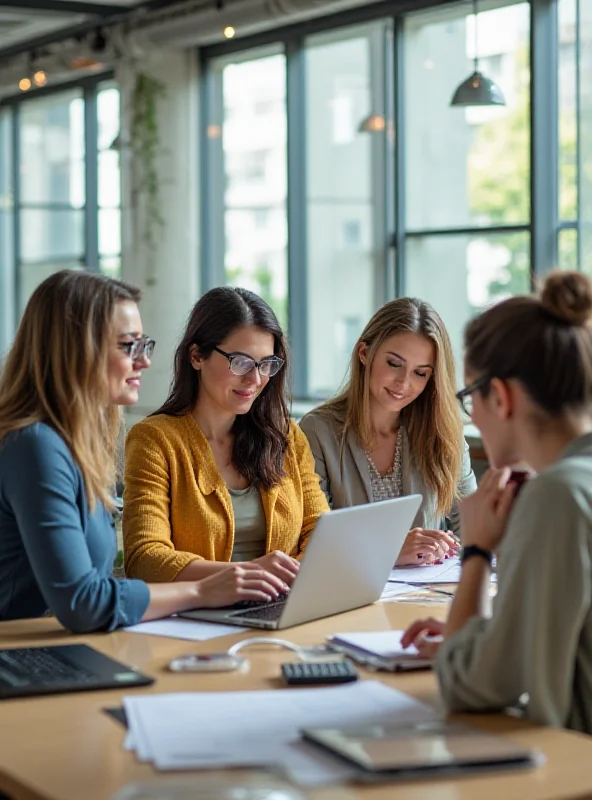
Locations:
{"points": [[477, 89]]}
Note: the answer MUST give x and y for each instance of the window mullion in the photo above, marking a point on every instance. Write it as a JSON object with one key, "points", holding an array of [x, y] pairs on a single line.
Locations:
{"points": [[297, 210], [91, 180], [544, 110]]}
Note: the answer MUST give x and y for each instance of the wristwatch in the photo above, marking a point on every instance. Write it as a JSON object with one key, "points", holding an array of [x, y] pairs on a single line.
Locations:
{"points": [[471, 550]]}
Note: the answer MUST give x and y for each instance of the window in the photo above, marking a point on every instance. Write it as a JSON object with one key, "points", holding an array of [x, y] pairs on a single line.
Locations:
{"points": [[391, 190], [585, 128], [51, 188], [345, 186], [253, 96], [109, 182], [461, 275], [7, 289], [467, 168], [568, 135], [64, 209]]}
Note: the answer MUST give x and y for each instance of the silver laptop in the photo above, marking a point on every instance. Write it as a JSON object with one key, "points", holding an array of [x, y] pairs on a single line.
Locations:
{"points": [[346, 565]]}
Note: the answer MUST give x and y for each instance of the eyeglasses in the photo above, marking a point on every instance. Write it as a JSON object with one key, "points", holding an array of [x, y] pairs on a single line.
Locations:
{"points": [[241, 364], [464, 396], [138, 348]]}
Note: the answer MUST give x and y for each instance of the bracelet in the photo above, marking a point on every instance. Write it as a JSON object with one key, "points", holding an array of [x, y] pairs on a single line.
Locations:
{"points": [[474, 550]]}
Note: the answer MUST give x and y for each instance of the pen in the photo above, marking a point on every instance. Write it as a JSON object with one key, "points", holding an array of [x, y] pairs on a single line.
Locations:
{"points": [[440, 591], [424, 586]]}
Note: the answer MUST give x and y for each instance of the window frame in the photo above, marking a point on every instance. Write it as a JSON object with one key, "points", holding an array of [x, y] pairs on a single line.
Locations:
{"points": [[90, 258], [544, 156]]}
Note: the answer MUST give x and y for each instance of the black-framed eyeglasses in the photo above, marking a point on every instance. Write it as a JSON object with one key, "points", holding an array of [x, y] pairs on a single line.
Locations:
{"points": [[464, 396], [241, 364], [138, 348]]}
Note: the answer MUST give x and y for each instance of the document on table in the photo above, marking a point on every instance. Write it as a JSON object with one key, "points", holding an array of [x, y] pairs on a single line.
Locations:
{"points": [[209, 730], [447, 572], [189, 629], [396, 589]]}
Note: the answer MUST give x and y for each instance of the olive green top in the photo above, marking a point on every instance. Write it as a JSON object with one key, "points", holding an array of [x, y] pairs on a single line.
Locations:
{"points": [[249, 524], [537, 646]]}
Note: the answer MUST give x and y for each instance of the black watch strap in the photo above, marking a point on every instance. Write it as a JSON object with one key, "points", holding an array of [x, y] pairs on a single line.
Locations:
{"points": [[474, 550]]}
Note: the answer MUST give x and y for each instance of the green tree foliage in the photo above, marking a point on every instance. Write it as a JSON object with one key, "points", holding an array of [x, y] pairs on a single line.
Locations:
{"points": [[499, 182], [263, 277]]}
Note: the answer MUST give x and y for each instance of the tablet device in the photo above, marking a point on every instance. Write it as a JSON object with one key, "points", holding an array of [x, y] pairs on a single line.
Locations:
{"points": [[422, 750]]}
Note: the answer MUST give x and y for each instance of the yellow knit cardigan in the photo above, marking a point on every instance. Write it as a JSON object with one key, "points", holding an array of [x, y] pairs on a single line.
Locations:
{"points": [[177, 507]]}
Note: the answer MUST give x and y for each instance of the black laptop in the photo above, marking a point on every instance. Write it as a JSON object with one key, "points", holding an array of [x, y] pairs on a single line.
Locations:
{"points": [[30, 671]]}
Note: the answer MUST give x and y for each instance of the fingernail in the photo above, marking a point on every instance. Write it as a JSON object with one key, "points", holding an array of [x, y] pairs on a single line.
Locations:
{"points": [[438, 561]]}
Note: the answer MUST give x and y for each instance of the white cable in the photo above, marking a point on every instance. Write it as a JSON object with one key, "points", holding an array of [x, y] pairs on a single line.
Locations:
{"points": [[262, 640]]}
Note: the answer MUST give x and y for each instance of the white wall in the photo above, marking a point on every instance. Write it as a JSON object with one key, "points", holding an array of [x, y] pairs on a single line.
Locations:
{"points": [[168, 272]]}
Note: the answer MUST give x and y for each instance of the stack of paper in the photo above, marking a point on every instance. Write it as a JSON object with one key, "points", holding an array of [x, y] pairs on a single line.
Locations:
{"points": [[448, 572], [205, 730]]}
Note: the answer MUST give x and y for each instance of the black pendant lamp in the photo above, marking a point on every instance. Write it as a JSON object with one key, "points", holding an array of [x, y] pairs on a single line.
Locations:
{"points": [[478, 90]]}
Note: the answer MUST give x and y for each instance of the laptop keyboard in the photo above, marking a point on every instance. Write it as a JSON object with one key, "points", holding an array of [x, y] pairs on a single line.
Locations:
{"points": [[248, 604], [268, 611], [38, 665]]}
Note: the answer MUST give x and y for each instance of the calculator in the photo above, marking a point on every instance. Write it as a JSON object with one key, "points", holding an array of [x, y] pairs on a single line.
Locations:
{"points": [[318, 672]]}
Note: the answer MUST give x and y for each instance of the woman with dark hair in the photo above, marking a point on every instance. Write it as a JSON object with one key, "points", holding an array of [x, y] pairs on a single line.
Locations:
{"points": [[396, 428], [528, 373], [219, 473]]}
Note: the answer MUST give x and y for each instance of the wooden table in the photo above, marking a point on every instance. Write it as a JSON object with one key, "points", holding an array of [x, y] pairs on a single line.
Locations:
{"points": [[63, 747]]}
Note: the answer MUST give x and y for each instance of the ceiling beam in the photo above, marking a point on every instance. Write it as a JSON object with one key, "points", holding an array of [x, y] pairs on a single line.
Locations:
{"points": [[61, 6], [116, 14]]}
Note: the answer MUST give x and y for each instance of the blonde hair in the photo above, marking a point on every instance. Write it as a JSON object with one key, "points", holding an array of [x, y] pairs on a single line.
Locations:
{"points": [[56, 372], [432, 421]]}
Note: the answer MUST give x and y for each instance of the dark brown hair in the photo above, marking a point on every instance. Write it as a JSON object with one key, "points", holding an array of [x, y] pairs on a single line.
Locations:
{"points": [[56, 371], [544, 342], [261, 435]]}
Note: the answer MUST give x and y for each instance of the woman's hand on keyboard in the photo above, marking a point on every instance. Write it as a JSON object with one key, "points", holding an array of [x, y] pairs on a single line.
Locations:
{"points": [[279, 564], [237, 583]]}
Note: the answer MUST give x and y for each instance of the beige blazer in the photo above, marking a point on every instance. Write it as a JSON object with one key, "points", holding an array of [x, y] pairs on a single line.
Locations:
{"points": [[345, 478]]}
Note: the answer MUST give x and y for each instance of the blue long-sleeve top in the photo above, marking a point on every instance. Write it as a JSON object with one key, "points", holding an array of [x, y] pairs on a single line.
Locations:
{"points": [[54, 553]]}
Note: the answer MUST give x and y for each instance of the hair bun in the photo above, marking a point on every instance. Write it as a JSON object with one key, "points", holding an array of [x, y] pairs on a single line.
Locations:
{"points": [[567, 296]]}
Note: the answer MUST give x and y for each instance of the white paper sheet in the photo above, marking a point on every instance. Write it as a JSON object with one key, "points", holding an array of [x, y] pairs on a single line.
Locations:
{"points": [[223, 729], [392, 590], [189, 629], [448, 572], [380, 643]]}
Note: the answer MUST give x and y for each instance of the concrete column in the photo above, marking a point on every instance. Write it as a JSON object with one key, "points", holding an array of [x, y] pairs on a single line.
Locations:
{"points": [[167, 268]]}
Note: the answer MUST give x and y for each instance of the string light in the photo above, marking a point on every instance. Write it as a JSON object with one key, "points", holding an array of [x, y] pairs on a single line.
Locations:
{"points": [[40, 78], [229, 32], [24, 84]]}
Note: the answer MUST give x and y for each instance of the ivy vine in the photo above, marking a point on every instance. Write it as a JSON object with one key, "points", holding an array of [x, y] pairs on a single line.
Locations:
{"points": [[145, 144]]}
